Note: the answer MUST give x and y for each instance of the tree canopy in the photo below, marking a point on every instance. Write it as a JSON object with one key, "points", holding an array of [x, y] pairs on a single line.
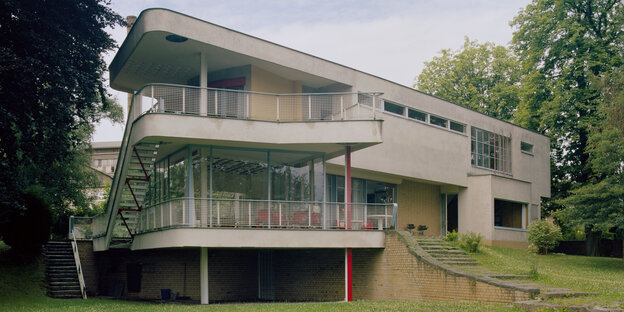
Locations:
{"points": [[51, 93], [561, 46], [483, 77]]}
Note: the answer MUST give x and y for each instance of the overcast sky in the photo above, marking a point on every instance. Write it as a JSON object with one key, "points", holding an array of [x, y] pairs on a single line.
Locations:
{"points": [[390, 39]]}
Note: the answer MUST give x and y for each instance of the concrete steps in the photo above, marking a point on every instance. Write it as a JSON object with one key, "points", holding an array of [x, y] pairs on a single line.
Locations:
{"points": [[445, 252], [61, 276]]}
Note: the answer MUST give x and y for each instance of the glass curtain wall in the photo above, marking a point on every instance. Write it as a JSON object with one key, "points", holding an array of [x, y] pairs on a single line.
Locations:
{"points": [[362, 192], [234, 186]]}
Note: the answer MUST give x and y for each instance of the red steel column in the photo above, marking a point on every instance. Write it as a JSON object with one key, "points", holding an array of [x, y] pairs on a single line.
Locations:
{"points": [[348, 251], [349, 275]]}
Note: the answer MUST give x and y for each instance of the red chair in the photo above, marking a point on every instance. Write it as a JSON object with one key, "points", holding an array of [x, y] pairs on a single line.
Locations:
{"points": [[368, 225]]}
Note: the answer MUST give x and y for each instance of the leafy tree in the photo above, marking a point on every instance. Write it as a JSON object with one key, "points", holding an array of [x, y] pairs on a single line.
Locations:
{"points": [[561, 45], [483, 77], [599, 204], [51, 93]]}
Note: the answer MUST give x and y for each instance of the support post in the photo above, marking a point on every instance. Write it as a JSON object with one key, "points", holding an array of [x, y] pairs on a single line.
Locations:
{"points": [[203, 84], [348, 275], [204, 163], [203, 275]]}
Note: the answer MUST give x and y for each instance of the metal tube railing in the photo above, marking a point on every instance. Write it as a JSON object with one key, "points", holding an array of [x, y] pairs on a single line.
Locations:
{"points": [[81, 280], [277, 214], [240, 104]]}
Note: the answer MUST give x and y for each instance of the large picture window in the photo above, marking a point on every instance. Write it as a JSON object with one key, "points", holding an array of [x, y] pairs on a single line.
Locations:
{"points": [[509, 214], [490, 150]]}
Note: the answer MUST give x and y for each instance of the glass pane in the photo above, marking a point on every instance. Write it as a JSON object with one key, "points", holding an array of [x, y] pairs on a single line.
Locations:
{"points": [[177, 174], [239, 174], [434, 120], [291, 176], [418, 115], [393, 108], [455, 126]]}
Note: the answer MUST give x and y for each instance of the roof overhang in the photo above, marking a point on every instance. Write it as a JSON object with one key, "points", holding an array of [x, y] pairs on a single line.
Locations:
{"points": [[146, 56]]}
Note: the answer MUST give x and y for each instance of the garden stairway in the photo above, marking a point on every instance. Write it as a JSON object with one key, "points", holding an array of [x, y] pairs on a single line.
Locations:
{"points": [[444, 252], [61, 275]]}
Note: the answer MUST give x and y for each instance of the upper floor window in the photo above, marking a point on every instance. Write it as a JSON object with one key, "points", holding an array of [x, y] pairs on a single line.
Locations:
{"points": [[418, 115], [438, 121], [526, 148], [393, 108], [490, 150]]}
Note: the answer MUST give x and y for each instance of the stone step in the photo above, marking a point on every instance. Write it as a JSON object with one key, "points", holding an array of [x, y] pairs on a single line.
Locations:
{"points": [[65, 294], [509, 276], [563, 293], [64, 287], [445, 251], [457, 258], [466, 263]]}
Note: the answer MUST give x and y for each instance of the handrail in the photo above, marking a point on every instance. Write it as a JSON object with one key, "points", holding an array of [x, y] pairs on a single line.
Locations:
{"points": [[242, 104], [83, 285], [282, 214]]}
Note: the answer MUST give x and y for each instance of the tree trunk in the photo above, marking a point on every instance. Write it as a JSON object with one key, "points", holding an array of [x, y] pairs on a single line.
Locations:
{"points": [[592, 244]]}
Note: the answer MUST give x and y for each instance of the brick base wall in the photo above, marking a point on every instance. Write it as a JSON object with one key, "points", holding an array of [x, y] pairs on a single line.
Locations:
{"points": [[89, 266], [395, 274], [309, 275]]}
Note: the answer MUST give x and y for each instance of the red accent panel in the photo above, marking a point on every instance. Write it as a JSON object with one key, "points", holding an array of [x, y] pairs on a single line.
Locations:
{"points": [[348, 186], [349, 275], [227, 83]]}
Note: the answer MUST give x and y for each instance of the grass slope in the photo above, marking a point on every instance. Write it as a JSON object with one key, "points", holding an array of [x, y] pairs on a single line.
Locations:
{"points": [[588, 274]]}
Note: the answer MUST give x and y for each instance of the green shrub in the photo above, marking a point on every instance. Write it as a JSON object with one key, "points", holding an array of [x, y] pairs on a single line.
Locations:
{"points": [[451, 236], [544, 235], [470, 241]]}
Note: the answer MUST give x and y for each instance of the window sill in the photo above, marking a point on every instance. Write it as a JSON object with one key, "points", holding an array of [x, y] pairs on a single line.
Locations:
{"points": [[510, 228], [528, 153]]}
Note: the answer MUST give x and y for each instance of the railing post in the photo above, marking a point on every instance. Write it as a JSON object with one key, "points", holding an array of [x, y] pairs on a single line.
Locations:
{"points": [[342, 110], [374, 110], [216, 100], [278, 108], [184, 100], [309, 107], [246, 105]]}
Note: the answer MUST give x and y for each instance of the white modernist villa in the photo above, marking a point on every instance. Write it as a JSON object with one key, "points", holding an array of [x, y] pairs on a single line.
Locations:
{"points": [[241, 153]]}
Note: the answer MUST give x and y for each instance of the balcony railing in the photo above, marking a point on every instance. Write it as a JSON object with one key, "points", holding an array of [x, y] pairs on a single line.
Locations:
{"points": [[242, 213], [166, 98]]}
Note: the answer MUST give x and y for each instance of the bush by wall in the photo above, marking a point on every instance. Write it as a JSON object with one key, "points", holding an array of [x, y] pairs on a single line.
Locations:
{"points": [[544, 235]]}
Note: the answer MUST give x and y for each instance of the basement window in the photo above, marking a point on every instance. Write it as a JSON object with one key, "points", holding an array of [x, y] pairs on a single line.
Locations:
{"points": [[509, 214]]}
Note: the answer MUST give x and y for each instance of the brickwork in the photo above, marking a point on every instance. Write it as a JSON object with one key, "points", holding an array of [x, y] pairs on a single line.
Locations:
{"points": [[396, 274], [89, 266], [175, 269], [232, 275], [309, 275]]}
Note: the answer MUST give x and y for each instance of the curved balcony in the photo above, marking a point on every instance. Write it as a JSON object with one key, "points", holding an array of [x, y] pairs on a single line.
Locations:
{"points": [[240, 104]]}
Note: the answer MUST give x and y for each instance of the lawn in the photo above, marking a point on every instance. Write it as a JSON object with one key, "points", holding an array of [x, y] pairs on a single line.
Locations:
{"points": [[588, 274]]}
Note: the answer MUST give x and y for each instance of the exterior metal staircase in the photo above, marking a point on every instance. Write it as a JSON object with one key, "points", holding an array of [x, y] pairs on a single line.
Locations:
{"points": [[61, 275], [135, 193]]}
